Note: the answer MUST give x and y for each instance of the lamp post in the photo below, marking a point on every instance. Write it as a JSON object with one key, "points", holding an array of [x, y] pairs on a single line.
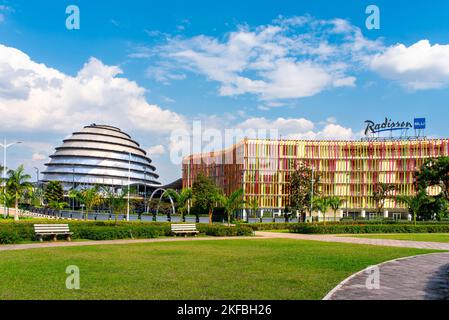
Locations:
{"points": [[348, 181], [129, 186], [37, 175], [145, 188], [311, 191], [5, 146], [37, 179]]}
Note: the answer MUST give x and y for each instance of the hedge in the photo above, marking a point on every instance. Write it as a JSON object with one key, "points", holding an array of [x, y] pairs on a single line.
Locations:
{"points": [[23, 231], [224, 231], [368, 228]]}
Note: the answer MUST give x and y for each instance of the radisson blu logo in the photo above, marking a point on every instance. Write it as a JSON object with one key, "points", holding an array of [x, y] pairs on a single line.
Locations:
{"points": [[389, 125]]}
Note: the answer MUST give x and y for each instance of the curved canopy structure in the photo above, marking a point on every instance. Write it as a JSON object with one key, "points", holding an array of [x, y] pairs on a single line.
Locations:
{"points": [[100, 154]]}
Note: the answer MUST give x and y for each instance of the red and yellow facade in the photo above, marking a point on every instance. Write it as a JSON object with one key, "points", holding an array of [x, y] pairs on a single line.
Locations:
{"points": [[348, 169]]}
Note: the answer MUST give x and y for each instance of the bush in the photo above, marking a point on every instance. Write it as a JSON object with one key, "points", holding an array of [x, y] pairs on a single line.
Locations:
{"points": [[368, 228], [217, 230], [269, 226], [23, 231]]}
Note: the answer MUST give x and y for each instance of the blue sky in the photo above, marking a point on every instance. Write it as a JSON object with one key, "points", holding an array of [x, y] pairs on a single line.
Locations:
{"points": [[308, 68]]}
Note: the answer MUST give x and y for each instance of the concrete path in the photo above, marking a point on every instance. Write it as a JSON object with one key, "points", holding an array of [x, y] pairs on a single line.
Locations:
{"points": [[422, 277], [259, 235], [110, 242], [374, 242]]}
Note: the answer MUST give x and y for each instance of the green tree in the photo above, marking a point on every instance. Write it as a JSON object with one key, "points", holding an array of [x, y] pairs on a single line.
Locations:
{"points": [[321, 204], [53, 192], [206, 194], [117, 201], [58, 205], [416, 203], [17, 183], [300, 189], [8, 200], [232, 203], [335, 203], [181, 200], [89, 197], [434, 172], [381, 194], [254, 206]]}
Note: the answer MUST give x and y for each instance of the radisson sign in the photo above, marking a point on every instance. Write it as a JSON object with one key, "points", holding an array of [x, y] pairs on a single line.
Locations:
{"points": [[389, 125]]}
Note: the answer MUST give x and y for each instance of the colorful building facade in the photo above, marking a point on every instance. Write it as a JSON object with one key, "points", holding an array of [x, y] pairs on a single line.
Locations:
{"points": [[350, 170]]}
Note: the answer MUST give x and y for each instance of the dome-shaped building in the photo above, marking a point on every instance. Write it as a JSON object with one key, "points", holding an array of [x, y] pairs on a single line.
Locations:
{"points": [[100, 154]]}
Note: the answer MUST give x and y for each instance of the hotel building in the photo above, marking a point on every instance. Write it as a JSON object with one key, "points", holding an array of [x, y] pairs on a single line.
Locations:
{"points": [[348, 169]]}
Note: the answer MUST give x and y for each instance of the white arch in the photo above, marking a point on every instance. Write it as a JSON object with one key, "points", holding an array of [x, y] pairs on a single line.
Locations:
{"points": [[160, 198]]}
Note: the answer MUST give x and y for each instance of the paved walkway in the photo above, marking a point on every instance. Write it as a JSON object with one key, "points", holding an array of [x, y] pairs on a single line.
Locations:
{"points": [[11, 247], [259, 235], [422, 277], [340, 239]]}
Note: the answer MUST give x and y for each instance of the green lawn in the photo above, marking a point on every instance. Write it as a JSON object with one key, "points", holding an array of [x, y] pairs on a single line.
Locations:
{"points": [[225, 269], [432, 237]]}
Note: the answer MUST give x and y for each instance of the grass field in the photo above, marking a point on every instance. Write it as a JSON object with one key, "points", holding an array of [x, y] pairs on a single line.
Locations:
{"points": [[432, 237], [225, 269]]}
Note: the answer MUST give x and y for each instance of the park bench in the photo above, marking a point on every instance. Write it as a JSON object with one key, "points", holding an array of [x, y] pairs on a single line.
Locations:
{"points": [[184, 229], [54, 230]]}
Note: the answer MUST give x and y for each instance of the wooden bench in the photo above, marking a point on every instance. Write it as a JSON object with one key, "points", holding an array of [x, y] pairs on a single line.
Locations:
{"points": [[54, 230], [184, 229]]}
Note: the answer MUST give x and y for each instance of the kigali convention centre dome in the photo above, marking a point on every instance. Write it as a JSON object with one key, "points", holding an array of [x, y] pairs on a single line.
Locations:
{"points": [[100, 154]]}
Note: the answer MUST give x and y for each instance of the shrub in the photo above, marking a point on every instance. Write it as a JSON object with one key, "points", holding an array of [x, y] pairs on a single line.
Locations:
{"points": [[217, 230], [269, 226], [368, 228], [23, 231]]}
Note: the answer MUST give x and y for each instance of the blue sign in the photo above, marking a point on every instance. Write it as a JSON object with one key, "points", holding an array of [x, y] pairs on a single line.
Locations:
{"points": [[420, 123]]}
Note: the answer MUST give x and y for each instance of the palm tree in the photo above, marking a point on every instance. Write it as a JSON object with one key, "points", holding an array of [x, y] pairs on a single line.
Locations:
{"points": [[17, 183], [58, 205], [416, 203], [321, 204], [232, 203], [88, 197], [181, 199], [8, 200], [116, 201], [254, 205], [335, 203]]}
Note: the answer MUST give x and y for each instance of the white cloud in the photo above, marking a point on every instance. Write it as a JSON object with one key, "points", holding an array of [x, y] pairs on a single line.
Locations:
{"points": [[3, 10], [300, 128], [39, 98], [417, 67], [155, 150], [284, 126], [291, 58], [38, 157]]}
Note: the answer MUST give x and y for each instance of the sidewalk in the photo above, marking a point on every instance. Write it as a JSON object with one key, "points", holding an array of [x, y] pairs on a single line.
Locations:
{"points": [[422, 277], [10, 247], [259, 235], [374, 242]]}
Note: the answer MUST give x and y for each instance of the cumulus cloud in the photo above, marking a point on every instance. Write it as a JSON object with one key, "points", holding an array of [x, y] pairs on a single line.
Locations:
{"points": [[155, 150], [417, 67], [290, 58], [34, 97], [300, 128], [37, 157]]}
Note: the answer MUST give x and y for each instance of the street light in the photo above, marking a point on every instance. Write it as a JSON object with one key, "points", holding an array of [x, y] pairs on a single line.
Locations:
{"points": [[129, 183], [37, 175], [348, 191], [5, 146], [311, 192], [145, 189]]}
